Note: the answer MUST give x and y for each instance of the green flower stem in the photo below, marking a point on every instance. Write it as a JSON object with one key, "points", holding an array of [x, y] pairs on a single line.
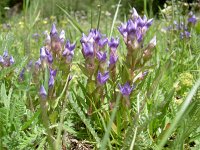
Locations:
{"points": [[60, 127], [45, 121]]}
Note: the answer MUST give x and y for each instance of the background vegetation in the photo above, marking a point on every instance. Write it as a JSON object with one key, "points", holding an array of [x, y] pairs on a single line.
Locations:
{"points": [[165, 106]]}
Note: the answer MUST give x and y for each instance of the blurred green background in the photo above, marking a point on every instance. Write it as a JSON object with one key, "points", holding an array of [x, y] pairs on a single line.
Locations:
{"points": [[48, 8]]}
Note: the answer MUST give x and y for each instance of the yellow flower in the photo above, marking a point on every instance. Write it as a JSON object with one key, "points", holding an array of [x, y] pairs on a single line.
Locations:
{"points": [[186, 79], [52, 17], [44, 22]]}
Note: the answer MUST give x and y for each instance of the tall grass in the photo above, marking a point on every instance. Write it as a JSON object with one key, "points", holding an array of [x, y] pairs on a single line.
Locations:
{"points": [[164, 110]]}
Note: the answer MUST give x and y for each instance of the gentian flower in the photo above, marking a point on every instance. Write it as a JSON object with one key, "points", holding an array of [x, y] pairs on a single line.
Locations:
{"points": [[69, 51], [135, 28], [51, 81], [50, 58], [1, 60], [122, 29], [113, 44], [52, 76], [102, 78], [56, 44], [52, 72], [192, 18], [88, 50], [126, 89], [43, 93], [38, 63], [134, 14], [5, 54], [185, 34], [101, 56], [86, 39], [113, 60], [102, 42], [53, 30], [21, 75], [62, 36], [96, 35], [42, 53], [12, 61]]}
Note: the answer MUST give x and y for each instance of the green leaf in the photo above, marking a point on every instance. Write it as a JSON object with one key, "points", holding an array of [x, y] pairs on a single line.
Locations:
{"points": [[85, 120], [179, 115], [29, 122]]}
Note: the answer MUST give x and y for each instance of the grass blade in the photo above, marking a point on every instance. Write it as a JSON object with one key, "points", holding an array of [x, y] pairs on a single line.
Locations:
{"points": [[114, 19], [179, 115], [84, 119], [106, 135]]}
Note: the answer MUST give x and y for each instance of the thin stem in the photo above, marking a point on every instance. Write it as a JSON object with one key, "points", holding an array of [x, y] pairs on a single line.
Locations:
{"points": [[45, 121], [60, 127]]}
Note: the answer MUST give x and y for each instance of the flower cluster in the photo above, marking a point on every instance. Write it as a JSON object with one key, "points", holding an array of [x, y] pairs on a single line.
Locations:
{"points": [[6, 60], [133, 32], [93, 49], [55, 52], [56, 55], [184, 28]]}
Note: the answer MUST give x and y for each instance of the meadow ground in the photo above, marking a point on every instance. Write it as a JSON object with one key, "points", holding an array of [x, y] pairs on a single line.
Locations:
{"points": [[97, 81]]}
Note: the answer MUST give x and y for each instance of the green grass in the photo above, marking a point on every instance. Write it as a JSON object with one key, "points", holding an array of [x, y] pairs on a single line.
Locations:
{"points": [[165, 105]]}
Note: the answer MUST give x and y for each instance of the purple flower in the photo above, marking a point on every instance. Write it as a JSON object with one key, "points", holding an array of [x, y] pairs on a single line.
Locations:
{"points": [[43, 93], [38, 63], [102, 78], [95, 34], [185, 34], [122, 29], [12, 61], [113, 44], [135, 28], [140, 22], [5, 53], [1, 59], [51, 81], [50, 58], [51, 77], [87, 50], [126, 89], [131, 27], [21, 75], [149, 23], [42, 53], [69, 51], [101, 56], [192, 18], [102, 42], [112, 61], [86, 39], [69, 46], [62, 36], [134, 14], [56, 42], [53, 30], [52, 72]]}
